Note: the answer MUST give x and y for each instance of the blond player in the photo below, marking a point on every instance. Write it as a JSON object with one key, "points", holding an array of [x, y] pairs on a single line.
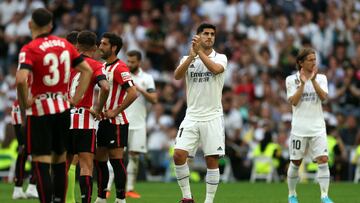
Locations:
{"points": [[305, 91]]}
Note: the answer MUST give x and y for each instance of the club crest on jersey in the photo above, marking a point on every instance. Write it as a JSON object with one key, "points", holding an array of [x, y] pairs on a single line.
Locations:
{"points": [[125, 76]]}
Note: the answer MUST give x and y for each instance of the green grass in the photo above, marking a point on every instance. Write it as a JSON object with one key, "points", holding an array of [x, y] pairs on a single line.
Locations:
{"points": [[242, 192]]}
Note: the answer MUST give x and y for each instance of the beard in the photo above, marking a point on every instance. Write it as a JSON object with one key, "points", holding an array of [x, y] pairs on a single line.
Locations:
{"points": [[105, 54], [133, 69]]}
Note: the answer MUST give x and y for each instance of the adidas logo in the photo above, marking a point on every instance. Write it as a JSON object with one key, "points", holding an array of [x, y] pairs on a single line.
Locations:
{"points": [[219, 149], [192, 66]]}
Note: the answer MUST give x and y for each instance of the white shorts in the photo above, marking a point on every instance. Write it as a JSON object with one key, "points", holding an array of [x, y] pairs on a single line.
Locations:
{"points": [[209, 134], [314, 147], [137, 140]]}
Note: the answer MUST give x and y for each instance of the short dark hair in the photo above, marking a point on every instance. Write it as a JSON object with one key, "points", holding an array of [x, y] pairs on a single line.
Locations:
{"points": [[203, 26], [114, 40], [302, 55], [86, 39], [135, 53], [42, 17], [72, 37]]}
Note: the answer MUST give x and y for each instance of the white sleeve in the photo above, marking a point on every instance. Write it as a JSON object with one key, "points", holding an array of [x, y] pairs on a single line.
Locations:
{"points": [[183, 59], [290, 86], [222, 60], [323, 83], [150, 84]]}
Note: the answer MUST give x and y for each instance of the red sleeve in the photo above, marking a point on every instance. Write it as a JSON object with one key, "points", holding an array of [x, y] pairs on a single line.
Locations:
{"points": [[25, 58], [122, 75], [99, 73]]}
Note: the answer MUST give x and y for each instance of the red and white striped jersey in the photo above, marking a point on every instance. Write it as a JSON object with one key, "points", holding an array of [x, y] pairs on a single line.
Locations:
{"points": [[15, 113], [50, 59], [81, 118], [119, 80]]}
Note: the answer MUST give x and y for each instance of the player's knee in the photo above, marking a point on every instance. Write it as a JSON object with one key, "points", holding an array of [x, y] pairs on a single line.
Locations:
{"points": [[179, 157], [296, 162], [322, 159]]}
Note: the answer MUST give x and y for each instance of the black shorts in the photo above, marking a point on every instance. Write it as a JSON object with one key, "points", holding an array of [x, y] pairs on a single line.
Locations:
{"points": [[20, 134], [112, 136], [48, 133], [82, 140]]}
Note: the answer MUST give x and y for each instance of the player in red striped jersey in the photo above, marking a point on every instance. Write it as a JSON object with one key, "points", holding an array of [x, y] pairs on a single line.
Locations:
{"points": [[31, 191], [49, 59], [113, 131], [82, 128]]}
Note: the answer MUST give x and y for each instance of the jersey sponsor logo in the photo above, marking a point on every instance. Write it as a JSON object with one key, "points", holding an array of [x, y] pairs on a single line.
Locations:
{"points": [[309, 97], [125, 76], [201, 76]]}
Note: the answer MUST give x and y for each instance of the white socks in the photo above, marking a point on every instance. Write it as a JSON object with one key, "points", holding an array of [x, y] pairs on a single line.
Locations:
{"points": [[292, 178], [212, 182], [182, 175], [132, 170], [323, 176]]}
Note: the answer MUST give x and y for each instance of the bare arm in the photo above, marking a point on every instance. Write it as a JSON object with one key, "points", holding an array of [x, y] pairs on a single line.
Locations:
{"points": [[210, 65], [22, 88], [182, 68], [130, 97], [354, 90], [84, 80], [103, 95], [294, 100], [320, 92], [149, 96]]}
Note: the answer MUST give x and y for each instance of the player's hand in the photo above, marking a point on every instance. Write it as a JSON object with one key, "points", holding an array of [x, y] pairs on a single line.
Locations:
{"points": [[303, 78], [95, 114], [30, 101], [192, 53], [110, 114], [313, 74], [195, 43]]}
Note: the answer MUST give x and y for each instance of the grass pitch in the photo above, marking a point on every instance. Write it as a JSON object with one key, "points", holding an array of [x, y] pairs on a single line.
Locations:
{"points": [[242, 192]]}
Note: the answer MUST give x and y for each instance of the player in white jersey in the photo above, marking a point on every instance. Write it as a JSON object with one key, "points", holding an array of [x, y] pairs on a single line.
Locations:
{"points": [[203, 124], [136, 113], [305, 91]]}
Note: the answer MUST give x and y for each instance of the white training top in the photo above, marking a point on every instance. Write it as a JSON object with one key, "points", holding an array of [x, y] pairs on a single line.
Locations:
{"points": [[308, 118], [136, 112], [204, 89]]}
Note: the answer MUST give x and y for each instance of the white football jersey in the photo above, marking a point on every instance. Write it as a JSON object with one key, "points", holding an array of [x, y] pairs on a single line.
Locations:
{"points": [[204, 89], [136, 112], [308, 118]]}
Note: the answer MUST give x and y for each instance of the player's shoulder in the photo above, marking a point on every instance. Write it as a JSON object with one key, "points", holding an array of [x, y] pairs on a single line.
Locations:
{"points": [[220, 55], [121, 66], [321, 76], [291, 78], [93, 62]]}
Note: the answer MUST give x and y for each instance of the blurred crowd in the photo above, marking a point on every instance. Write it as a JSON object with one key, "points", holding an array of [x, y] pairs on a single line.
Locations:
{"points": [[261, 39]]}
